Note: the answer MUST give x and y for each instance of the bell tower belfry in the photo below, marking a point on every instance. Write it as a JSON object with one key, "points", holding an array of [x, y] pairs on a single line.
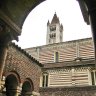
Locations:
{"points": [[54, 31]]}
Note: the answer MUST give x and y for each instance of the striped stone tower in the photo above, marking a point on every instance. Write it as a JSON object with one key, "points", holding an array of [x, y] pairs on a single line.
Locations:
{"points": [[54, 31]]}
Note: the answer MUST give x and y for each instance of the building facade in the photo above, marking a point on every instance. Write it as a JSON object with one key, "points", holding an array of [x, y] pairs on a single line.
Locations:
{"points": [[10, 28], [69, 67], [21, 74], [55, 69]]}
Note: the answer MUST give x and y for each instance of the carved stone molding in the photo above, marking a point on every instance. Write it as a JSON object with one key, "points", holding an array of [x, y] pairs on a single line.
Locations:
{"points": [[10, 23], [6, 33]]}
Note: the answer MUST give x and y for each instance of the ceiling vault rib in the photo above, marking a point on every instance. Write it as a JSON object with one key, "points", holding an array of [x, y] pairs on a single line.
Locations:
{"points": [[8, 21]]}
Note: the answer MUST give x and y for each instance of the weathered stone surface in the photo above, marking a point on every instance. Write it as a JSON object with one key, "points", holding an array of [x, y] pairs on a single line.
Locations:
{"points": [[69, 91]]}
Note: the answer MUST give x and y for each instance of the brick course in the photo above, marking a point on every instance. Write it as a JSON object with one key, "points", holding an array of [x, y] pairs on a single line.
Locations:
{"points": [[23, 65]]}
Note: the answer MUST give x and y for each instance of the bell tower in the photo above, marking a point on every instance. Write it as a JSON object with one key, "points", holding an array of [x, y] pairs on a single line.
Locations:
{"points": [[54, 31]]}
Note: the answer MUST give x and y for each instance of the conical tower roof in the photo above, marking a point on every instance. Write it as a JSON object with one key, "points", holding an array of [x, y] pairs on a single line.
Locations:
{"points": [[55, 19]]}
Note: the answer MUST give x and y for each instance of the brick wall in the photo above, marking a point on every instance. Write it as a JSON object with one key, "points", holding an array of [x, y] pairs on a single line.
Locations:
{"points": [[18, 61]]}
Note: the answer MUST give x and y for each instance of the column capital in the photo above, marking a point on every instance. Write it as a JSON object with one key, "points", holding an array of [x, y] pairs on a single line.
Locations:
{"points": [[2, 84], [35, 93]]}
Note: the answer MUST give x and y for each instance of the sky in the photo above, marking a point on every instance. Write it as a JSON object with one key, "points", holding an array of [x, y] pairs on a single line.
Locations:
{"points": [[35, 26]]}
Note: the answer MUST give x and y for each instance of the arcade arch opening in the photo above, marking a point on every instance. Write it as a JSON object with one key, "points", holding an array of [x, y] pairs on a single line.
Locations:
{"points": [[11, 84], [27, 88]]}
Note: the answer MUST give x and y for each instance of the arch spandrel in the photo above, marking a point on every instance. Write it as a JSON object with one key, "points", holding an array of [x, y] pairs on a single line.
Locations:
{"points": [[17, 10]]}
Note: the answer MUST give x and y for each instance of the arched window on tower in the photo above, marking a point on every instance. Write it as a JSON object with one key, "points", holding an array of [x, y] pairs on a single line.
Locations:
{"points": [[52, 28]]}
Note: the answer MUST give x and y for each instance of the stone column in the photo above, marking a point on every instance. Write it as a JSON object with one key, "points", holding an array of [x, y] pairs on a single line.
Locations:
{"points": [[2, 87], [6, 36], [3, 47], [73, 76], [18, 90]]}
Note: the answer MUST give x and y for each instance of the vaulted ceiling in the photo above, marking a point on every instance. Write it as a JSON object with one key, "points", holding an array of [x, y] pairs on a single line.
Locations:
{"points": [[14, 12]]}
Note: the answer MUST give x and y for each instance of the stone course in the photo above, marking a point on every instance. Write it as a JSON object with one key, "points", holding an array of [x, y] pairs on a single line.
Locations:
{"points": [[69, 91]]}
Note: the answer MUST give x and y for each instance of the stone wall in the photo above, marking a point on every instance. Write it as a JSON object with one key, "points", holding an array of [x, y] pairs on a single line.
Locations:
{"points": [[69, 91], [67, 51]]}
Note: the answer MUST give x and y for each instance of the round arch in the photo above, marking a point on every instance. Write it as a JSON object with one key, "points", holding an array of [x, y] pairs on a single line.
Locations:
{"points": [[27, 87], [11, 84], [22, 9], [15, 74]]}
